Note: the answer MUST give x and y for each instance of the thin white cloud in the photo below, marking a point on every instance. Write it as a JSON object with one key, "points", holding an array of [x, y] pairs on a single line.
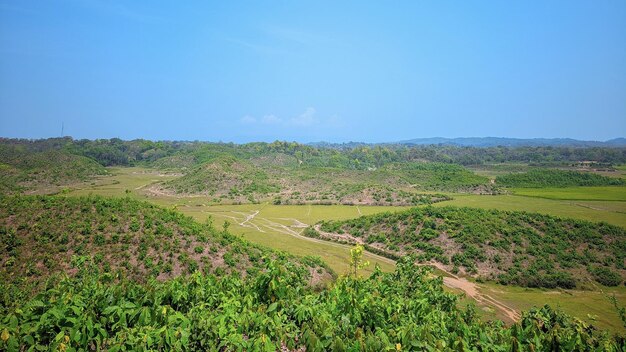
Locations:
{"points": [[307, 118], [271, 119], [248, 120]]}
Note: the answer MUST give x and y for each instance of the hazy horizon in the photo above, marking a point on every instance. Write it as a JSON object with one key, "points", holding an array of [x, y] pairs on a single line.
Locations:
{"points": [[312, 71], [322, 141]]}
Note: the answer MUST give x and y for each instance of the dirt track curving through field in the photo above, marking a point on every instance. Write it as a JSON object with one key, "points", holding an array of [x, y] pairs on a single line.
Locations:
{"points": [[471, 289]]}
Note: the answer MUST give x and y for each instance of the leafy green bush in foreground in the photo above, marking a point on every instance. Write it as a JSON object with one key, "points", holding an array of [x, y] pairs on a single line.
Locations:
{"points": [[404, 310]]}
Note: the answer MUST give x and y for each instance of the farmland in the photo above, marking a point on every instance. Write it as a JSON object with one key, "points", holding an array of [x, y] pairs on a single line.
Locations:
{"points": [[306, 176], [265, 211], [277, 224]]}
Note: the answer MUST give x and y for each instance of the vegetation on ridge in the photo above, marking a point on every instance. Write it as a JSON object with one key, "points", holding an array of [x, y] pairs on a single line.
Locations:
{"points": [[43, 236], [540, 178], [22, 170], [520, 248]]}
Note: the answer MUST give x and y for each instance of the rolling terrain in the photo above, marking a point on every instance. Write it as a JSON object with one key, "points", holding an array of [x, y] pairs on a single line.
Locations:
{"points": [[43, 172], [517, 248], [44, 237], [269, 194]]}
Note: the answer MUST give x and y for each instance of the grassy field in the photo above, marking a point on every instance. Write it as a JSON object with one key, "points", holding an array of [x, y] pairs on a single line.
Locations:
{"points": [[607, 193], [119, 180], [591, 306], [276, 226], [279, 225], [613, 212]]}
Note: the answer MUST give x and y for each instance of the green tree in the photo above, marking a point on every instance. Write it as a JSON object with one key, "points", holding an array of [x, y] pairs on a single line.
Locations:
{"points": [[356, 260]]}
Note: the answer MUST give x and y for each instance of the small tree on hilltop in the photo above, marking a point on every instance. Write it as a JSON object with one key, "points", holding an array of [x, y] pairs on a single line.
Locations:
{"points": [[356, 260]]}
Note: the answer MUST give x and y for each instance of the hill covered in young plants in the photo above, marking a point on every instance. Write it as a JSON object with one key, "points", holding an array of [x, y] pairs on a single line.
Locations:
{"points": [[274, 309], [516, 248], [289, 172], [539, 178], [282, 180], [43, 236], [23, 170], [439, 176], [225, 177]]}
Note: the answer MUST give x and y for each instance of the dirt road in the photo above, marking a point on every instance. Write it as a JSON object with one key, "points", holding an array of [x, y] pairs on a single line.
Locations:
{"points": [[471, 289]]}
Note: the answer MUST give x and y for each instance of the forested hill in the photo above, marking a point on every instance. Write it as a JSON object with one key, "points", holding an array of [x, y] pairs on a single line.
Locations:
{"points": [[515, 142], [518, 248], [108, 152]]}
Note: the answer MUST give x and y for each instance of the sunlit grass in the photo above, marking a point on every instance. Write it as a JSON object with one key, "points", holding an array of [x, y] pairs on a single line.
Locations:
{"points": [[608, 193], [592, 306], [613, 213]]}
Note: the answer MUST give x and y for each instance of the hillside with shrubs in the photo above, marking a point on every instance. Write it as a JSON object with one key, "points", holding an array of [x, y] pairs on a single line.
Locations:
{"points": [[515, 248]]}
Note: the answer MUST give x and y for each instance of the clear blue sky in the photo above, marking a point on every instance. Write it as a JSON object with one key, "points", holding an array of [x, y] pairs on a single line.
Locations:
{"points": [[316, 70]]}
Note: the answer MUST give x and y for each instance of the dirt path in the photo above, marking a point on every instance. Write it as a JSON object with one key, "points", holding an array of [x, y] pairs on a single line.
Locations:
{"points": [[359, 210], [296, 223], [471, 289], [147, 184], [345, 236], [154, 190], [247, 220]]}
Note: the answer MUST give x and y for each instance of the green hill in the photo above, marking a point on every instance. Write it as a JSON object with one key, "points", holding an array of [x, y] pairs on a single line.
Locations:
{"points": [[518, 248], [44, 236], [539, 178], [27, 170], [438, 176], [279, 179], [225, 177]]}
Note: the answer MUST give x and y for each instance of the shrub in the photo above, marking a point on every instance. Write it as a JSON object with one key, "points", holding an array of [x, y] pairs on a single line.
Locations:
{"points": [[606, 276]]}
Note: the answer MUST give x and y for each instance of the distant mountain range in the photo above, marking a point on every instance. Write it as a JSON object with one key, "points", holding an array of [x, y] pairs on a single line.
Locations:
{"points": [[486, 142], [514, 142]]}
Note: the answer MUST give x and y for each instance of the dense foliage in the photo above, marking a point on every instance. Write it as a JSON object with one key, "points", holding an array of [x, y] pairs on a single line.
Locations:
{"points": [[538, 178], [42, 236], [518, 248], [358, 156], [274, 309]]}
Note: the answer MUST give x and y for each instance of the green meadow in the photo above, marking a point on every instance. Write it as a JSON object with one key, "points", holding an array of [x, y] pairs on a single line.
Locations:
{"points": [[613, 212], [592, 307], [601, 193]]}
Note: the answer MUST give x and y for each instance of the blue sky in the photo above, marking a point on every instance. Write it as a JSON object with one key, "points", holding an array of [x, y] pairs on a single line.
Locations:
{"points": [[316, 70]]}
